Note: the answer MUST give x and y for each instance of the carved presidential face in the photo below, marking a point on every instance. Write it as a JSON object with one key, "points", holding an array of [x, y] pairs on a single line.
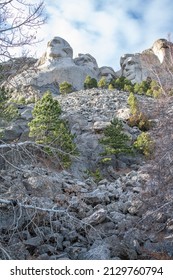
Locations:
{"points": [[131, 67], [107, 72], [58, 48], [86, 60]]}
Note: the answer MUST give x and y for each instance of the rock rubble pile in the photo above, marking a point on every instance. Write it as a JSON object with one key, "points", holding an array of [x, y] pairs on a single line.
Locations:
{"points": [[48, 213]]}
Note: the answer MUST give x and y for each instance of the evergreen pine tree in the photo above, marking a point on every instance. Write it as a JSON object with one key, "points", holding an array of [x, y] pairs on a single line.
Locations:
{"points": [[115, 141], [47, 128], [102, 83], [90, 83], [65, 88]]}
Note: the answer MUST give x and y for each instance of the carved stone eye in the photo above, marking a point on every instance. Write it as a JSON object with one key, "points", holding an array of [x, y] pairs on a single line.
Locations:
{"points": [[56, 41], [130, 62]]}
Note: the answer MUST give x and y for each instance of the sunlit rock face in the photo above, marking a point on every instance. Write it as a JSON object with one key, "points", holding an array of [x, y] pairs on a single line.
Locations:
{"points": [[150, 63], [161, 48], [57, 65]]}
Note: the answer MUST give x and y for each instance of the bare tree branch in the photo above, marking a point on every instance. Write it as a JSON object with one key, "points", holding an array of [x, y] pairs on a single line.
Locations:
{"points": [[19, 22]]}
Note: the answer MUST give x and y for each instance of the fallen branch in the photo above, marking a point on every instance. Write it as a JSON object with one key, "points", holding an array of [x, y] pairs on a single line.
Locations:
{"points": [[15, 203]]}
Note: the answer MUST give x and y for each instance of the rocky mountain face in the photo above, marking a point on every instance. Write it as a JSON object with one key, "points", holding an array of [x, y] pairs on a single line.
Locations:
{"points": [[124, 211], [58, 65], [155, 63]]}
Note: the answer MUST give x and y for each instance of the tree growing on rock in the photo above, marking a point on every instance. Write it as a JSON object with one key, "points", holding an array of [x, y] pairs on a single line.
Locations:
{"points": [[48, 129], [65, 88], [115, 140], [144, 144], [137, 117], [90, 83], [102, 83]]}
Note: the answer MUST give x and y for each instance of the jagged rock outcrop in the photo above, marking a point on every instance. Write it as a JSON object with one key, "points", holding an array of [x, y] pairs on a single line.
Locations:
{"points": [[155, 63]]}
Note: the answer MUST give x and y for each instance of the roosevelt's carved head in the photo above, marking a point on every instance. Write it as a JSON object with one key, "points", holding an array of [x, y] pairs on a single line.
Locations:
{"points": [[107, 72], [86, 60]]}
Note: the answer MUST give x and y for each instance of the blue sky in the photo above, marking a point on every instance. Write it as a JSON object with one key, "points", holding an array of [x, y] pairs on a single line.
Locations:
{"points": [[107, 29]]}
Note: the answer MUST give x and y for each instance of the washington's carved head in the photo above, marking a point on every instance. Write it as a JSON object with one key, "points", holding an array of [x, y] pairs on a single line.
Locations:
{"points": [[58, 48]]}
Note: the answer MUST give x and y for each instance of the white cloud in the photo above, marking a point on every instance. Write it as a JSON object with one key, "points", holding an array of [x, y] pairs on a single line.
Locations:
{"points": [[107, 29]]}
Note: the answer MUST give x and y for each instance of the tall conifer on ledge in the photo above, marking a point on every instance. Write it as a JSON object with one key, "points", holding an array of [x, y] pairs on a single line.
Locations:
{"points": [[115, 141], [48, 129]]}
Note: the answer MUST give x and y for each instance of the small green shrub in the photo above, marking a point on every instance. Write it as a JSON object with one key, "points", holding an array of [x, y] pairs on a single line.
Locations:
{"points": [[128, 88], [3, 95], [133, 103], [21, 100], [144, 144], [141, 88], [65, 88], [1, 132], [10, 112], [137, 117], [31, 100], [111, 87], [140, 120], [102, 83], [90, 83], [149, 88], [95, 174], [122, 83]]}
